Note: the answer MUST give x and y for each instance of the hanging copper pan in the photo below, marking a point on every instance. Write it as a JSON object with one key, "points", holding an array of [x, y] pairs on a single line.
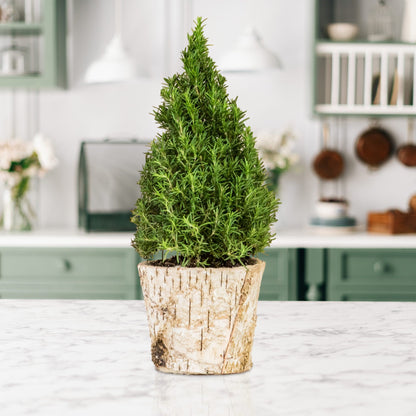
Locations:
{"points": [[328, 164], [407, 153], [412, 204], [374, 146]]}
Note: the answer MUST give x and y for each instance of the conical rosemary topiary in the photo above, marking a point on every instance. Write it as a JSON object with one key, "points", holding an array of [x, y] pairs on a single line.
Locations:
{"points": [[203, 189]]}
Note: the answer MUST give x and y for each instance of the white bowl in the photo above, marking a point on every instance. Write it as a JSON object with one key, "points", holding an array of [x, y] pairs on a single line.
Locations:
{"points": [[331, 209], [342, 31]]}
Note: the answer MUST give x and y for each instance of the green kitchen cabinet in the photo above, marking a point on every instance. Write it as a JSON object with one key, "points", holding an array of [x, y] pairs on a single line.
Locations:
{"points": [[111, 273], [280, 278], [69, 273], [43, 43], [338, 274], [371, 274], [315, 273]]}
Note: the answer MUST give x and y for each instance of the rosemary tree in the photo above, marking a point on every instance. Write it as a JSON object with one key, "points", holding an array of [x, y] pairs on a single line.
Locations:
{"points": [[203, 193]]}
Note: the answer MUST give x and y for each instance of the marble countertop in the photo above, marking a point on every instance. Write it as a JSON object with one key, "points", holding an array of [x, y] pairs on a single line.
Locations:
{"points": [[304, 238], [60, 357]]}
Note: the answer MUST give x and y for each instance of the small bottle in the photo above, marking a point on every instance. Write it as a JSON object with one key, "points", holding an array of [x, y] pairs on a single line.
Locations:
{"points": [[380, 26]]}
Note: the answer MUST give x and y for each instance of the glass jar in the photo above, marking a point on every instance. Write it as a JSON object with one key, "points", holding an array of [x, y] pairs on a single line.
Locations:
{"points": [[380, 25], [13, 60], [18, 213]]}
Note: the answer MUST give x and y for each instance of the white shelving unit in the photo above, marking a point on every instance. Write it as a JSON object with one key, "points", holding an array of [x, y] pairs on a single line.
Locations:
{"points": [[365, 78]]}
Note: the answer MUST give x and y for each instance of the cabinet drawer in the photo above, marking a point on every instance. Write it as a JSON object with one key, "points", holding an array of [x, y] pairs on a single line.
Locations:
{"points": [[376, 266], [75, 266]]}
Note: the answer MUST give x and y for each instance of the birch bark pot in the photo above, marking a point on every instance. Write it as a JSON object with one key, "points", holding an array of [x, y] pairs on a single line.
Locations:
{"points": [[201, 320]]}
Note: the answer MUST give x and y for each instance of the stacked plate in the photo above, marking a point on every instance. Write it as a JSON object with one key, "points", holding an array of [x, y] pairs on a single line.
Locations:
{"points": [[331, 215]]}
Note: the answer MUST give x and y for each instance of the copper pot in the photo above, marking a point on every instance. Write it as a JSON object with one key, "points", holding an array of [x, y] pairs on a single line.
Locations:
{"points": [[412, 204], [407, 153], [374, 146], [328, 163]]}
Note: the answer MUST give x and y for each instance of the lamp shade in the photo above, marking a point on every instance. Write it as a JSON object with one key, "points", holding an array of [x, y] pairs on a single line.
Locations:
{"points": [[249, 55], [114, 66]]}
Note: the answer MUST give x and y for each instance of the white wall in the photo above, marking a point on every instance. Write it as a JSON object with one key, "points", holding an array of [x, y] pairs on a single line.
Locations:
{"points": [[272, 100]]}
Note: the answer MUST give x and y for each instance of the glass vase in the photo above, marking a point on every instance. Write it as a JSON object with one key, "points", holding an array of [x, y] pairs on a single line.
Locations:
{"points": [[272, 180], [18, 213]]}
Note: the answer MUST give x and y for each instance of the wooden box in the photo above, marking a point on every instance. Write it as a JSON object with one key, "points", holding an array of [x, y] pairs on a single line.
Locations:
{"points": [[391, 222]]}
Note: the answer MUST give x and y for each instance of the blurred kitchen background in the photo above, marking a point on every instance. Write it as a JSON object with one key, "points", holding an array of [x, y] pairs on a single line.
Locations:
{"points": [[153, 32], [332, 88]]}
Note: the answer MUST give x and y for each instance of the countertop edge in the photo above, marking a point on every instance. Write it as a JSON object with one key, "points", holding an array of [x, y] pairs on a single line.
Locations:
{"points": [[300, 238]]}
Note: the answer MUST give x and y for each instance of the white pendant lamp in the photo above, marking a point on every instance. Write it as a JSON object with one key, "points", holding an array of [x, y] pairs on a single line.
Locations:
{"points": [[250, 55], [114, 65]]}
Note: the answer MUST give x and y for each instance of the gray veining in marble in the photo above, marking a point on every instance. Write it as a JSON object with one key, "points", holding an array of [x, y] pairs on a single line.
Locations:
{"points": [[93, 358]]}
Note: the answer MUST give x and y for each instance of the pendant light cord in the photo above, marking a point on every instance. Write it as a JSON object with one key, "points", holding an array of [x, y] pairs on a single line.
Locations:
{"points": [[168, 38], [251, 9], [187, 17], [13, 107], [117, 17], [37, 112], [29, 119]]}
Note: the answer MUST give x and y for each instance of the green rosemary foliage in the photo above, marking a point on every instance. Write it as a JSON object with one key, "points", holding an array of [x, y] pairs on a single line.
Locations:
{"points": [[203, 189]]}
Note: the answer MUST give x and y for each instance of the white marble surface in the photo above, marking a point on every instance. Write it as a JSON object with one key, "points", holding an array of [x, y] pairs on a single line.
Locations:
{"points": [[93, 358], [303, 238]]}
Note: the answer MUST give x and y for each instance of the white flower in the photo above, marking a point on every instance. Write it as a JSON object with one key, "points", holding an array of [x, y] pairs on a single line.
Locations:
{"points": [[10, 178], [20, 158], [276, 149], [264, 140], [293, 159], [268, 164], [13, 151], [43, 148], [281, 162]]}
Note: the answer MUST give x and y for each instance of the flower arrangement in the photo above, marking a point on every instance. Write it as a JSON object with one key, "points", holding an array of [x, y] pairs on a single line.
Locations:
{"points": [[19, 162], [277, 152]]}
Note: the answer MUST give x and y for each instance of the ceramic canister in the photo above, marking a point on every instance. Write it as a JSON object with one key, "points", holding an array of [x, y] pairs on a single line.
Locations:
{"points": [[409, 21]]}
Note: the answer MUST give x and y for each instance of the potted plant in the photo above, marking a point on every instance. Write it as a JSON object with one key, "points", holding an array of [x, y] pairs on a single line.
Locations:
{"points": [[204, 202]]}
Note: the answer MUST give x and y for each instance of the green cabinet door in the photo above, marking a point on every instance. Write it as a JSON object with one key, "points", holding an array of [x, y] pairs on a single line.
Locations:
{"points": [[315, 269], [280, 275], [111, 273], [69, 273], [371, 274]]}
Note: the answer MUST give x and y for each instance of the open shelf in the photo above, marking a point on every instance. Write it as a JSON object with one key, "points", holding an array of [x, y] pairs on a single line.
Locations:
{"points": [[365, 78], [20, 28]]}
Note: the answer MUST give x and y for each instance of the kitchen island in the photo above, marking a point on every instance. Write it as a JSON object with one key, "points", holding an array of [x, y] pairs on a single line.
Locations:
{"points": [[78, 357]]}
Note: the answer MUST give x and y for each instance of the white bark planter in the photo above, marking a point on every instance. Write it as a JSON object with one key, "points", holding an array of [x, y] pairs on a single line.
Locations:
{"points": [[201, 321]]}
